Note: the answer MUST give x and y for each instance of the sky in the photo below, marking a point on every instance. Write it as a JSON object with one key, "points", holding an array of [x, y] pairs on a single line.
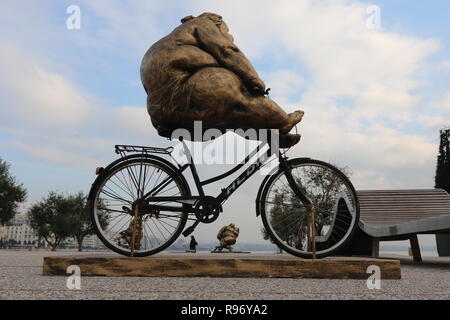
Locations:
{"points": [[375, 95]]}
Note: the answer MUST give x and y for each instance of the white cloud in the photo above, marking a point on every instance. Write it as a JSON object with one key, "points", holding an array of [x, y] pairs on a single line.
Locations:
{"points": [[433, 121], [56, 155], [129, 26], [443, 102], [287, 83], [444, 66], [33, 96], [51, 119]]}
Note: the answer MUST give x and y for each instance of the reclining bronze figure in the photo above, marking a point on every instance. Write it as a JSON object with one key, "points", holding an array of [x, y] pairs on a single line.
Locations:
{"points": [[197, 73]]}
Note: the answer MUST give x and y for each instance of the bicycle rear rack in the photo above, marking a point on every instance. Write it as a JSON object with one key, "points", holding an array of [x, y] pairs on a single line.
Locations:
{"points": [[122, 149]]}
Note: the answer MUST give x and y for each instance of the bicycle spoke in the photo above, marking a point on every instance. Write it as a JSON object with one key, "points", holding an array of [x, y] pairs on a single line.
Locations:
{"points": [[129, 187], [157, 227], [115, 198], [131, 195], [287, 217], [166, 223]]}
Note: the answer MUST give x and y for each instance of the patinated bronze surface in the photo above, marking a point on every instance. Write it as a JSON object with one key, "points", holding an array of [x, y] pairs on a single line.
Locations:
{"points": [[227, 236], [198, 73]]}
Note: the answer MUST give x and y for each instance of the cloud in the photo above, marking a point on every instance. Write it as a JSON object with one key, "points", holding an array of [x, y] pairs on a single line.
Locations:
{"points": [[56, 155], [444, 66], [36, 97], [45, 115], [443, 102], [130, 26], [288, 84]]}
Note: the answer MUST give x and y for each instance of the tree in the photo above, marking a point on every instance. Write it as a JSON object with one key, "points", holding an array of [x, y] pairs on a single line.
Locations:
{"points": [[442, 178], [442, 181], [81, 221], [50, 219], [11, 194], [288, 211]]}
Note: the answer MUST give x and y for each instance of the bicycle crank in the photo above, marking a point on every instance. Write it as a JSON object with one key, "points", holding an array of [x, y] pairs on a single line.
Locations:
{"points": [[207, 209]]}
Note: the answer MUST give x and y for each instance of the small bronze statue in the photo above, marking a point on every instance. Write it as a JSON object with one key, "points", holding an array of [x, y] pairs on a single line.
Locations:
{"points": [[125, 237], [197, 73], [227, 236]]}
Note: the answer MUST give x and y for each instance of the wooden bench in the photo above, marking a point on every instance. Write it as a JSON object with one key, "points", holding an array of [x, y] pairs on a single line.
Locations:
{"points": [[391, 215]]}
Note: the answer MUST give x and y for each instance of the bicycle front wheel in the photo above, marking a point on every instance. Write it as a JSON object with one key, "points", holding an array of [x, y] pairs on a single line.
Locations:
{"points": [[285, 217], [113, 207]]}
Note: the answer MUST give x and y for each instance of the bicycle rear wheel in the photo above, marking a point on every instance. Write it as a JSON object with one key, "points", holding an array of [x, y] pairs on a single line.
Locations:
{"points": [[113, 206], [285, 217]]}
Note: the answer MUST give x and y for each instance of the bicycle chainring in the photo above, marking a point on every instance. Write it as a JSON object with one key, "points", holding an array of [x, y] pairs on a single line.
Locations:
{"points": [[207, 209]]}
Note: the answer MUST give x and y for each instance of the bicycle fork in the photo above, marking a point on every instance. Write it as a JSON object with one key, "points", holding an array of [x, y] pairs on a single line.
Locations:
{"points": [[311, 208]]}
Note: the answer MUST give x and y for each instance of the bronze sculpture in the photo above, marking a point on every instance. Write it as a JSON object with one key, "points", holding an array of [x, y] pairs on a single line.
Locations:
{"points": [[227, 236], [198, 73], [125, 237]]}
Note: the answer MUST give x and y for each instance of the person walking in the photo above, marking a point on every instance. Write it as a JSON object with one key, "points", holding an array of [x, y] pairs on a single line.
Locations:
{"points": [[193, 244]]}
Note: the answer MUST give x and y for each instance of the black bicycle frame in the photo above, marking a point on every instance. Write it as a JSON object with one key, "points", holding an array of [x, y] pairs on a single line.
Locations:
{"points": [[226, 192]]}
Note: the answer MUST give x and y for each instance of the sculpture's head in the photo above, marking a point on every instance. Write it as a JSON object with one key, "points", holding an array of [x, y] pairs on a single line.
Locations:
{"points": [[217, 19]]}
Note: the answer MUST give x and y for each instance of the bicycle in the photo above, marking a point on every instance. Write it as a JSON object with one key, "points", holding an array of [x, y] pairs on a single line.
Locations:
{"points": [[140, 203]]}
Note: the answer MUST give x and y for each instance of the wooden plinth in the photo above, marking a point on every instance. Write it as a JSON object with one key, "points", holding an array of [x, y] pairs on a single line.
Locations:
{"points": [[213, 265]]}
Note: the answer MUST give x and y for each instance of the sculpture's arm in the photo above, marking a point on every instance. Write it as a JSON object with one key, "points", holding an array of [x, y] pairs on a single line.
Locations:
{"points": [[227, 53]]}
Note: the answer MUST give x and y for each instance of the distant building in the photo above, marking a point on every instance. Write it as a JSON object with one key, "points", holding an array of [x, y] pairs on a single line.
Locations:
{"points": [[92, 241], [89, 242], [19, 232]]}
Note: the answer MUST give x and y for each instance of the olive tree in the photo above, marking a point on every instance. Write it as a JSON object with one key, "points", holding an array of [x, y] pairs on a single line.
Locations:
{"points": [[51, 219], [12, 194]]}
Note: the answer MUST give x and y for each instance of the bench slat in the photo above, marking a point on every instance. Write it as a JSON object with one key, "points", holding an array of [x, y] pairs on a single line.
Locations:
{"points": [[389, 208]]}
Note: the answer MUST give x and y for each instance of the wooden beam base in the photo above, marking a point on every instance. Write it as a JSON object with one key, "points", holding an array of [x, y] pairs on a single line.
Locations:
{"points": [[207, 265]]}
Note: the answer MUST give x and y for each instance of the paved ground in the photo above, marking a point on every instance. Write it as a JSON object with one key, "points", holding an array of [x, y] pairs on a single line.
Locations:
{"points": [[20, 278]]}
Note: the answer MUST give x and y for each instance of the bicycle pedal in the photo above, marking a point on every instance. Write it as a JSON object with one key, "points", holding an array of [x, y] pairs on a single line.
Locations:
{"points": [[188, 231], [191, 229]]}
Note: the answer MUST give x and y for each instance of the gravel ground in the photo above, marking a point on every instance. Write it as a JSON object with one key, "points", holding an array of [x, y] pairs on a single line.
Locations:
{"points": [[21, 278]]}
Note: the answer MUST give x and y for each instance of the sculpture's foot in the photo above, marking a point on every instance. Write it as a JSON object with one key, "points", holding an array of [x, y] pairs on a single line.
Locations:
{"points": [[288, 140], [294, 118]]}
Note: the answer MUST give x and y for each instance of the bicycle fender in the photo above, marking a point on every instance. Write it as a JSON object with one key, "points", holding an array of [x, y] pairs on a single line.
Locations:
{"points": [[130, 157], [258, 196]]}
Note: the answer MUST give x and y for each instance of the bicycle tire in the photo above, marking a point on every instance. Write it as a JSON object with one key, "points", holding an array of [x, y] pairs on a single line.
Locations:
{"points": [[107, 176], [265, 214]]}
